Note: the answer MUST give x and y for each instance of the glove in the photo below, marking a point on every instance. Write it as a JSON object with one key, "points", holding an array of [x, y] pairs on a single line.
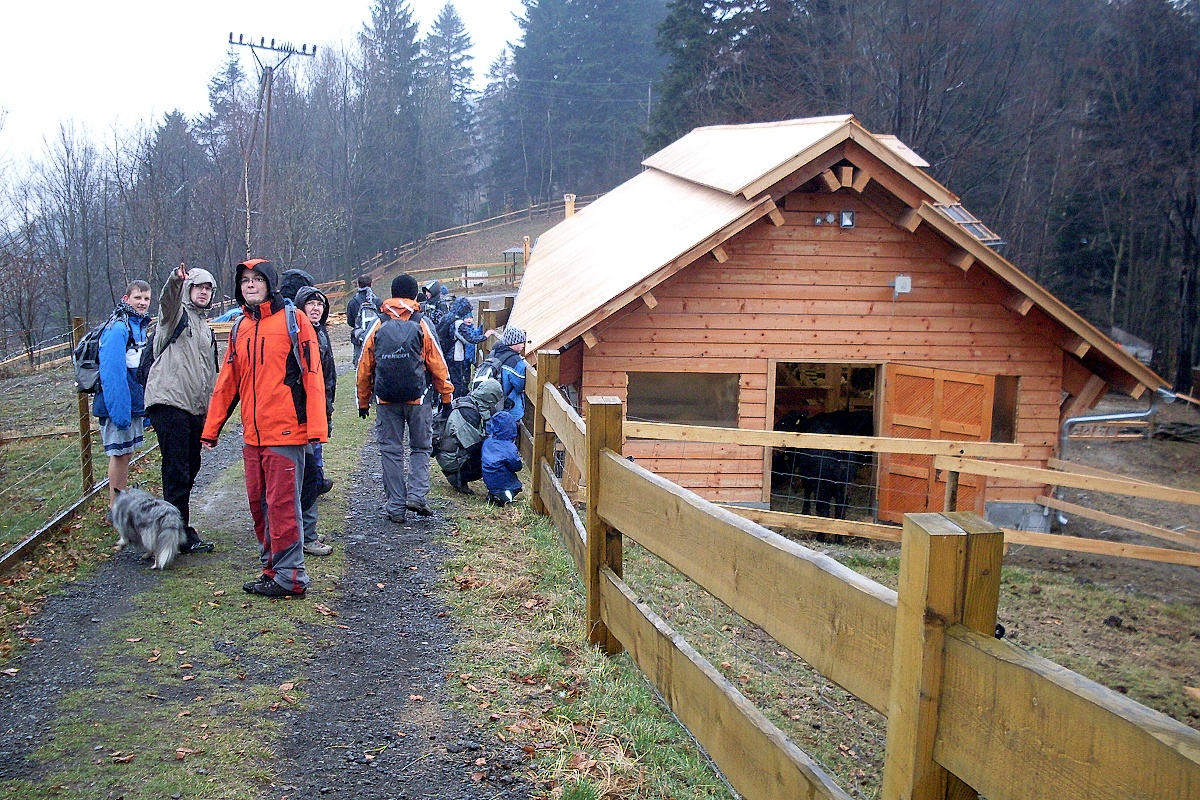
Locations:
{"points": [[362, 413]]}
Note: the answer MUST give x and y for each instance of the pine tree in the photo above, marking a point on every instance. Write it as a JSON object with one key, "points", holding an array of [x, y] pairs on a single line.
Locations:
{"points": [[580, 84], [387, 172], [446, 121]]}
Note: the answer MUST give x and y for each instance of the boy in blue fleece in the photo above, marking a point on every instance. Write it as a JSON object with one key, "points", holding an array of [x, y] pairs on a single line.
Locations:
{"points": [[501, 461]]}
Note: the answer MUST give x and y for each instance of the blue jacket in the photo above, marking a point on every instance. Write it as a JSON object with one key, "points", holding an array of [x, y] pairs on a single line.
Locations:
{"points": [[120, 397], [512, 378], [501, 460]]}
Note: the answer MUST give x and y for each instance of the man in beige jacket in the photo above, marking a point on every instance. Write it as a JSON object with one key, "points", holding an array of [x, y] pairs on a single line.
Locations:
{"points": [[180, 385]]}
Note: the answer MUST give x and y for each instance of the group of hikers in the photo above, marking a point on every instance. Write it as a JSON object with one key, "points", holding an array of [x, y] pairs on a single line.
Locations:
{"points": [[414, 355]]}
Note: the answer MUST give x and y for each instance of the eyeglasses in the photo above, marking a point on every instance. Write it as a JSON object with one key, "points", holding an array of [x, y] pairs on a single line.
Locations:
{"points": [[253, 279]]}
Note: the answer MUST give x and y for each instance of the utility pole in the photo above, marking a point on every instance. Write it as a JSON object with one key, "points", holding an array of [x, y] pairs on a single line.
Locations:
{"points": [[266, 77]]}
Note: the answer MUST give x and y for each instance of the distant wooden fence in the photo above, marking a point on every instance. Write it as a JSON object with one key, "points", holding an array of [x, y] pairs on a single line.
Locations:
{"points": [[965, 711], [398, 256]]}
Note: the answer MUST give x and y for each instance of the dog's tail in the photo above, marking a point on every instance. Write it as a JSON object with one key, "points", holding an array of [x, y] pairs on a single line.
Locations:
{"points": [[172, 535]]}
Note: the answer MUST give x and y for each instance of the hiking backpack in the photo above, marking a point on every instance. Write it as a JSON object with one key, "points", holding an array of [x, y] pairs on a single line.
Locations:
{"points": [[368, 318], [445, 335], [146, 361], [85, 358], [493, 367], [400, 360]]}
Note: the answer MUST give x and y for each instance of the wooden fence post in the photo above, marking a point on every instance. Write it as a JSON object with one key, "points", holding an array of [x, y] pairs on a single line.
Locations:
{"points": [[950, 502], [543, 440], [949, 573], [604, 547], [488, 320], [85, 417]]}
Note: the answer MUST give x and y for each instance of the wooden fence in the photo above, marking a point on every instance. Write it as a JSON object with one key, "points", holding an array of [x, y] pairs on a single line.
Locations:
{"points": [[949, 458], [966, 712], [398, 256]]}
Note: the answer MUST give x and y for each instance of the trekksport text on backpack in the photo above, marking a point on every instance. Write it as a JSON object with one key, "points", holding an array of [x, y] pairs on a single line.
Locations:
{"points": [[400, 360]]}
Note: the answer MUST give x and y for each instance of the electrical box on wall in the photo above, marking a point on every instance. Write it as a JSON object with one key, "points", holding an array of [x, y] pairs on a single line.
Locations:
{"points": [[903, 284], [847, 219]]}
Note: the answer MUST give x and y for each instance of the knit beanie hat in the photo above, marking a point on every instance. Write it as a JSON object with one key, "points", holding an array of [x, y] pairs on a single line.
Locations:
{"points": [[404, 286], [512, 336]]}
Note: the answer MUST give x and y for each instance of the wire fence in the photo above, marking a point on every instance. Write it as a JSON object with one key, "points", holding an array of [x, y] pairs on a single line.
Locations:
{"points": [[41, 477], [842, 733]]}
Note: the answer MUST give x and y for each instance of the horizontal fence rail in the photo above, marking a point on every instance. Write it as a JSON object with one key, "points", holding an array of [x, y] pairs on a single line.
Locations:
{"points": [[954, 458], [964, 711]]}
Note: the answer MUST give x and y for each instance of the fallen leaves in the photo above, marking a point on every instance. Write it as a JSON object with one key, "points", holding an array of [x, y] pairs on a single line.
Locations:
{"points": [[581, 762], [325, 610], [10, 672]]}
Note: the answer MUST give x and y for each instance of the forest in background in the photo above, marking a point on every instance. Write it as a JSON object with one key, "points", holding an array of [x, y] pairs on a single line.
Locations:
{"points": [[1070, 127]]}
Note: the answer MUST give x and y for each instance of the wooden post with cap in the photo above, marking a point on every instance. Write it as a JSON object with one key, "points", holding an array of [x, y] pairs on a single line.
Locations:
{"points": [[604, 546]]}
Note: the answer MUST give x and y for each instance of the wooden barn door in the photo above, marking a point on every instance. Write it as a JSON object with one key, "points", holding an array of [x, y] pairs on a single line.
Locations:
{"points": [[922, 403]]}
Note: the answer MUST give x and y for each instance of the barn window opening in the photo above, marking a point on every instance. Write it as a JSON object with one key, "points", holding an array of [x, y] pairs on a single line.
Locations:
{"points": [[1004, 409], [684, 398]]}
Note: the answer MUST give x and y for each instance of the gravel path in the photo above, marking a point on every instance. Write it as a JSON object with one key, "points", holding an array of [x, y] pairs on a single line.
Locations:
{"points": [[378, 727]]}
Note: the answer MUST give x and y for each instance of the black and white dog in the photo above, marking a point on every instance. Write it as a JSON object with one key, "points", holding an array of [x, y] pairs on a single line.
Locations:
{"points": [[150, 523]]}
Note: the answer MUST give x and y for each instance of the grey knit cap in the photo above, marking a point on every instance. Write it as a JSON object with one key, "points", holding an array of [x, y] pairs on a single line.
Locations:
{"points": [[513, 336]]}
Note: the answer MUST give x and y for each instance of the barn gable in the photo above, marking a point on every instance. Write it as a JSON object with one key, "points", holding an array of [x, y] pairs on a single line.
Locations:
{"points": [[757, 271], [700, 191]]}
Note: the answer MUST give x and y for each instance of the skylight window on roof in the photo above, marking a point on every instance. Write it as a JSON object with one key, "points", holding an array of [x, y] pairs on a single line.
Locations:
{"points": [[966, 220]]}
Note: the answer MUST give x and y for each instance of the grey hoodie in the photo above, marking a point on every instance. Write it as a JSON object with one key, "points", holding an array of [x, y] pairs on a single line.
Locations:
{"points": [[183, 374]]}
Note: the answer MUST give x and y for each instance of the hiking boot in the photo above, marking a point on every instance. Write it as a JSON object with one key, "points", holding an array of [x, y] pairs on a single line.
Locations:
{"points": [[249, 586], [397, 518], [273, 589], [421, 509], [317, 548], [325, 486], [459, 486]]}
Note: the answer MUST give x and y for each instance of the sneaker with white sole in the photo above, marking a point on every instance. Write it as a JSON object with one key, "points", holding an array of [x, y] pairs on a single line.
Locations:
{"points": [[317, 548]]}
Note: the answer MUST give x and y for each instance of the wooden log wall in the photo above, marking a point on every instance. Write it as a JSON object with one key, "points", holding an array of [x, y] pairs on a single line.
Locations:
{"points": [[821, 293]]}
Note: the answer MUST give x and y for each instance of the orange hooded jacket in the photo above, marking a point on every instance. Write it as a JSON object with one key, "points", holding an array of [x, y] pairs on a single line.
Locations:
{"points": [[283, 403], [399, 308]]}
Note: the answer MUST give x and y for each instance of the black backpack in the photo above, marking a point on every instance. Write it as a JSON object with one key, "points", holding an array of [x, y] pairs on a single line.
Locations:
{"points": [[445, 335], [400, 360], [85, 358], [146, 361]]}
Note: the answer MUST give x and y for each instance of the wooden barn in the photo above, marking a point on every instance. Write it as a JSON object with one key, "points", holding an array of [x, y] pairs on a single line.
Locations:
{"points": [[809, 266]]}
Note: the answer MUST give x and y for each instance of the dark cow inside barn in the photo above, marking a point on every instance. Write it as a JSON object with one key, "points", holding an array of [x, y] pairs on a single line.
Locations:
{"points": [[825, 475]]}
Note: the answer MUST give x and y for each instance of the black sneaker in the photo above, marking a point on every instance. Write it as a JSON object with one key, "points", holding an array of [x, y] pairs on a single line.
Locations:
{"points": [[198, 547], [273, 589], [249, 586], [421, 509], [325, 486]]}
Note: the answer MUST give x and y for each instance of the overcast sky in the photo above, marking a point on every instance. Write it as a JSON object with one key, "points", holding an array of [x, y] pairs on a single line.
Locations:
{"points": [[118, 64]]}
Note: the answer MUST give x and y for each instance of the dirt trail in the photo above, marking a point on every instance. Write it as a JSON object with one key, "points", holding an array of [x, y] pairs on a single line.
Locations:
{"points": [[376, 722]]}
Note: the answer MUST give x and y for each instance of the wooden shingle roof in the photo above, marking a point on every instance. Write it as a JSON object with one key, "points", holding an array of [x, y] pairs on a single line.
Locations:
{"points": [[713, 182]]}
